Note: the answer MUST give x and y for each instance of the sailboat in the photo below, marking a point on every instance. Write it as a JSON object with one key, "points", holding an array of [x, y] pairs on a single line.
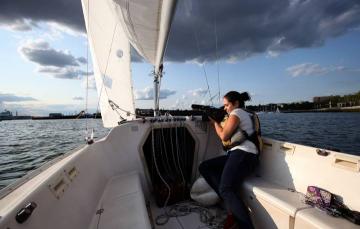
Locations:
{"points": [[130, 178]]}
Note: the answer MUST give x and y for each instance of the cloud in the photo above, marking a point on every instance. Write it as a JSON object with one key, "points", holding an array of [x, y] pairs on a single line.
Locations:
{"points": [[65, 12], [63, 73], [306, 69], [246, 28], [82, 60], [243, 28], [58, 63], [148, 93], [198, 92], [6, 97], [40, 52], [78, 98], [310, 69], [18, 25]]}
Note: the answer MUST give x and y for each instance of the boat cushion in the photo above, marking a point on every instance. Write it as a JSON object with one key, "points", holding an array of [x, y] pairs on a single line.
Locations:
{"points": [[123, 204]]}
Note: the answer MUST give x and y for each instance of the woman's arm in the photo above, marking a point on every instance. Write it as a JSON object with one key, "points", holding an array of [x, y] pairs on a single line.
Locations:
{"points": [[231, 125]]}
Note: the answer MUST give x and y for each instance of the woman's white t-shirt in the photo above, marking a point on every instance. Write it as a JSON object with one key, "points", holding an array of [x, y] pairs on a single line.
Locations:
{"points": [[246, 125]]}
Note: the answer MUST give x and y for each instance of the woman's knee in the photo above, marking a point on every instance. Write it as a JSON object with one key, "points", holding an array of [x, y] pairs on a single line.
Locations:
{"points": [[226, 190]]}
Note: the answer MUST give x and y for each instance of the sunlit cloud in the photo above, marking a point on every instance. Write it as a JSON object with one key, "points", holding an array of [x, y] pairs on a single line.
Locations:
{"points": [[148, 93], [311, 69]]}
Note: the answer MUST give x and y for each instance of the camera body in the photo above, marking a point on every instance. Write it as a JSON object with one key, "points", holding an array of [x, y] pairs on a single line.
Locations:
{"points": [[218, 114]]}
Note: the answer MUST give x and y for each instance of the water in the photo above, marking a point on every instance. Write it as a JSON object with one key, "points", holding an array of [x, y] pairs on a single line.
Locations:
{"points": [[336, 131], [27, 144]]}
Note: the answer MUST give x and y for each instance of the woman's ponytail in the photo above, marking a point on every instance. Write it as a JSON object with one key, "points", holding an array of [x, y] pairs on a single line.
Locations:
{"points": [[233, 96]]}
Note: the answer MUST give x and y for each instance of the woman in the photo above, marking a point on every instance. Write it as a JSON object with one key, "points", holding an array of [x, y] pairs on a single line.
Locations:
{"points": [[225, 173]]}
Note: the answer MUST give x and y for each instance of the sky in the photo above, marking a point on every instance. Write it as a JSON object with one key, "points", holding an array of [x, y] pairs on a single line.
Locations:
{"points": [[279, 51]]}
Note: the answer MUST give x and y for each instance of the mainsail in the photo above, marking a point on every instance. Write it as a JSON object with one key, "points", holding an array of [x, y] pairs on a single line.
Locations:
{"points": [[111, 26]]}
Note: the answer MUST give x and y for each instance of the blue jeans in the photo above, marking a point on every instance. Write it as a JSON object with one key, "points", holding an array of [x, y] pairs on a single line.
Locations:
{"points": [[225, 174]]}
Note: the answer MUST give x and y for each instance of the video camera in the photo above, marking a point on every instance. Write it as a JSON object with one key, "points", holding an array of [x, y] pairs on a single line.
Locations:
{"points": [[217, 114]]}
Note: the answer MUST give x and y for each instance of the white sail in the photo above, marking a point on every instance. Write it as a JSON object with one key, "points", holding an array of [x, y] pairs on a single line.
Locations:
{"points": [[147, 24], [110, 51]]}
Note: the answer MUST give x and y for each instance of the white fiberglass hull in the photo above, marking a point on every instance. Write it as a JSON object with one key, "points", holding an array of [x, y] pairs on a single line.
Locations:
{"points": [[112, 175]]}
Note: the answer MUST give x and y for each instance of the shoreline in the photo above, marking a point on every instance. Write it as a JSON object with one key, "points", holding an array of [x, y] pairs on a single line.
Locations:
{"points": [[336, 109]]}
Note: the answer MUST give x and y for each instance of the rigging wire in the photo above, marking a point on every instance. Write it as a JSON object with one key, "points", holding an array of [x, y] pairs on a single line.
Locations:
{"points": [[199, 52], [217, 57], [87, 137]]}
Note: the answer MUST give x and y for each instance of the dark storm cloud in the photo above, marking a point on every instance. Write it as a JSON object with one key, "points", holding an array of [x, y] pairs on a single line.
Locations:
{"points": [[243, 28], [66, 12], [41, 53]]}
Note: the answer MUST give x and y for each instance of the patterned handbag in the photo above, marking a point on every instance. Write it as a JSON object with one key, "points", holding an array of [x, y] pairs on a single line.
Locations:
{"points": [[326, 201]]}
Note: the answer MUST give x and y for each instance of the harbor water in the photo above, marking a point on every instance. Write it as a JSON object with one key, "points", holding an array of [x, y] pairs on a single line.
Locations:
{"points": [[27, 144]]}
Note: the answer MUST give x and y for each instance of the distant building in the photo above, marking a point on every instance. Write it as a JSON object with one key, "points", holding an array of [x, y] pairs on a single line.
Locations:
{"points": [[6, 115], [55, 115], [321, 99]]}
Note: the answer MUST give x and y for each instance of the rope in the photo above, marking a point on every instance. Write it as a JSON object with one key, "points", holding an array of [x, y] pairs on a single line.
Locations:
{"points": [[162, 179], [177, 155], [206, 215]]}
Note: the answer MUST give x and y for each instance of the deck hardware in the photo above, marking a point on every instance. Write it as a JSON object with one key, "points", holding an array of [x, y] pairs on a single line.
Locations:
{"points": [[322, 152], [347, 162], [72, 173], [25, 212], [59, 186], [291, 190], [267, 144], [288, 148]]}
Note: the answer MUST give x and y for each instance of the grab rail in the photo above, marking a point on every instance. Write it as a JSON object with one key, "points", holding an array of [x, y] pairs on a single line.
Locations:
{"points": [[344, 162]]}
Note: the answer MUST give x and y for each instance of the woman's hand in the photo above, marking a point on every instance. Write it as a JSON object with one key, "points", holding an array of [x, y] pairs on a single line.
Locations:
{"points": [[211, 120], [229, 128]]}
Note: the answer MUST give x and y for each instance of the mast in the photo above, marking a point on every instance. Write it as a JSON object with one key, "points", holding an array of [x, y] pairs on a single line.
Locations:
{"points": [[167, 14]]}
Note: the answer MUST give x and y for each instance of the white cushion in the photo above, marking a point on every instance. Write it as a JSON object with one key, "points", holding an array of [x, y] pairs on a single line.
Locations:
{"points": [[124, 204]]}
